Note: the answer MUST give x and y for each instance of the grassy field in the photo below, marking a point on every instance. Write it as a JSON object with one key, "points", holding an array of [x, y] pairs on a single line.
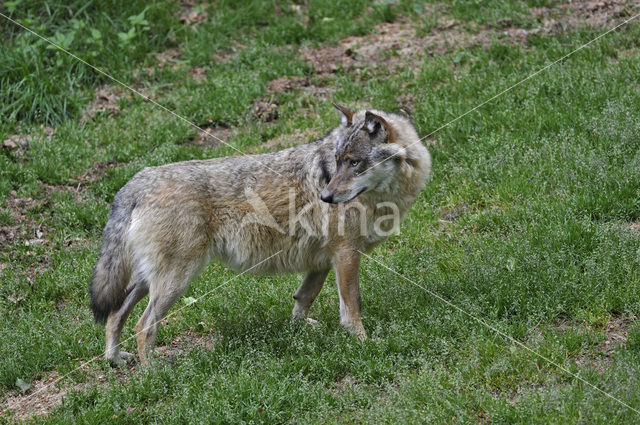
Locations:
{"points": [[531, 220]]}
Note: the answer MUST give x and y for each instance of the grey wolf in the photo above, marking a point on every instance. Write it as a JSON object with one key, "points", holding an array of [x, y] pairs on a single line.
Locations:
{"points": [[167, 222]]}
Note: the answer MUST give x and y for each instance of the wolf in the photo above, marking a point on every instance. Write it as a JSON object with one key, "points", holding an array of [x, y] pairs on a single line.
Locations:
{"points": [[346, 193]]}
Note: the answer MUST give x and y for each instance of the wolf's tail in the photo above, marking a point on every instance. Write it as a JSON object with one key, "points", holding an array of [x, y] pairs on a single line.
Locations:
{"points": [[113, 270]]}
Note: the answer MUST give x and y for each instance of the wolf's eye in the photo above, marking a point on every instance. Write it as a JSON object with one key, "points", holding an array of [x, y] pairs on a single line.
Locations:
{"points": [[353, 162]]}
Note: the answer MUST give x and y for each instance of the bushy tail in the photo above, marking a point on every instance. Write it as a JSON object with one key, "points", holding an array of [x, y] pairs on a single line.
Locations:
{"points": [[112, 273]]}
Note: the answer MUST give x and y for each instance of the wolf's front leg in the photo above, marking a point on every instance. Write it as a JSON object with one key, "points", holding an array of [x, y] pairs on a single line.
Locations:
{"points": [[307, 292], [347, 265]]}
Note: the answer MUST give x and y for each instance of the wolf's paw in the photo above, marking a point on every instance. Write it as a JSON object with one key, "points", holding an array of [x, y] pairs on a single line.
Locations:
{"points": [[127, 357], [362, 336], [303, 318], [356, 329], [121, 358], [299, 313]]}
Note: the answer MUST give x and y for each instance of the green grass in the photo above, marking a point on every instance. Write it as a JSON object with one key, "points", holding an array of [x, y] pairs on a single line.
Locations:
{"points": [[546, 180]]}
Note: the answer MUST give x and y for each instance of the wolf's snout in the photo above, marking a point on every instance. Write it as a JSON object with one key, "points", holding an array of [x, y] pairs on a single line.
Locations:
{"points": [[327, 197]]}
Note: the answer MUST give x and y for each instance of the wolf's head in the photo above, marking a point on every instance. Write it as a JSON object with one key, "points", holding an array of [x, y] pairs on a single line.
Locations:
{"points": [[370, 153]]}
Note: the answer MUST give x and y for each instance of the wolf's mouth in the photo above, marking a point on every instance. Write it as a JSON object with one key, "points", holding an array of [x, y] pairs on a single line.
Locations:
{"points": [[358, 194]]}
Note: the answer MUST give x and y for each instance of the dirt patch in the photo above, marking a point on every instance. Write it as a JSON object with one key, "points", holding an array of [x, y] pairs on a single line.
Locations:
{"points": [[46, 393], [212, 137], [293, 83], [575, 14], [105, 102], [28, 232], [286, 84], [390, 45], [298, 137], [395, 44], [36, 267], [346, 383], [187, 340], [567, 16], [95, 172], [41, 398], [265, 109], [616, 333], [26, 229], [452, 214], [192, 14], [8, 234], [406, 103], [198, 74], [18, 144], [169, 56]]}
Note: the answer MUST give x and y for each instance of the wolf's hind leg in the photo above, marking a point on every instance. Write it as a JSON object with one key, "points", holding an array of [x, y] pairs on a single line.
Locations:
{"points": [[115, 323], [307, 293], [163, 293]]}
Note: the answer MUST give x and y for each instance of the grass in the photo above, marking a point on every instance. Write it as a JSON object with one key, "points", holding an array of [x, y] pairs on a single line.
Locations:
{"points": [[543, 184]]}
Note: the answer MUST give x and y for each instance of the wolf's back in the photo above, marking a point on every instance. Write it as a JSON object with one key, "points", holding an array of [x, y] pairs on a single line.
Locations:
{"points": [[107, 290]]}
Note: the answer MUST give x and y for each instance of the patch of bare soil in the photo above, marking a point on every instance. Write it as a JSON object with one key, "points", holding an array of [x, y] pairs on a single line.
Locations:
{"points": [[571, 15], [265, 108], [198, 74], [18, 144], [187, 340], [41, 398], [397, 44], [95, 172], [106, 101], [27, 228], [212, 137], [292, 83], [390, 45], [575, 14], [298, 137], [169, 56], [174, 59], [616, 332], [26, 231], [406, 103], [45, 394], [286, 84], [192, 14], [452, 214], [344, 383]]}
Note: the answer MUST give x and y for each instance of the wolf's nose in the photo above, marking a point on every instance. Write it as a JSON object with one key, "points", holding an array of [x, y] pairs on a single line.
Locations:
{"points": [[326, 198]]}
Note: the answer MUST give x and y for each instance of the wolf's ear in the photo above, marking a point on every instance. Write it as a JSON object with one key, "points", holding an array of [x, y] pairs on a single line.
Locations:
{"points": [[346, 113], [373, 123]]}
